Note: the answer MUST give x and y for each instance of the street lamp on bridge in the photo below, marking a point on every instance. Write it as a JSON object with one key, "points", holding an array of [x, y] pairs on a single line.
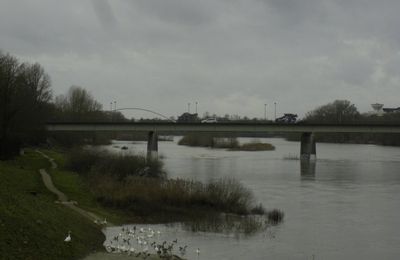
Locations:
{"points": [[265, 112]]}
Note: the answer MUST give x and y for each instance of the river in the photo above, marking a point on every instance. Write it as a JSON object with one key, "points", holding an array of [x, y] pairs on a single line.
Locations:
{"points": [[345, 206]]}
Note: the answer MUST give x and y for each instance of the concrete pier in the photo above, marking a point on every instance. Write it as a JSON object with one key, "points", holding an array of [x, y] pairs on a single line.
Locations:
{"points": [[308, 147], [152, 146], [307, 169]]}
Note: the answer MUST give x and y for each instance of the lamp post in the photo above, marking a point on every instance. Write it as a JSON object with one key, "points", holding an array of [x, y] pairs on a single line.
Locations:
{"points": [[265, 112], [275, 110]]}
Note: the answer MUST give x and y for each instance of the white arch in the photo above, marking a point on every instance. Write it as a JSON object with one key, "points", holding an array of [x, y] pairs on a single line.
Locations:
{"points": [[146, 110]]}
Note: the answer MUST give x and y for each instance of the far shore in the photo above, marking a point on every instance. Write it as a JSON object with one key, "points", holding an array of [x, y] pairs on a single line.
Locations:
{"points": [[253, 147]]}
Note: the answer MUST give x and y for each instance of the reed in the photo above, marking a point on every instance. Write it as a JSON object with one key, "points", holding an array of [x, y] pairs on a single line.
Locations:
{"points": [[132, 184], [160, 195], [275, 216]]}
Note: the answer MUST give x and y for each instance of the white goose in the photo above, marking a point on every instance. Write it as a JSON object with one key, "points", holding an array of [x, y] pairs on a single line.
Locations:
{"points": [[68, 238]]}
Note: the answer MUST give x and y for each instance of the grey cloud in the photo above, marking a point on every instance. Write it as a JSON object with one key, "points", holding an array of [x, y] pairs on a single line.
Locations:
{"points": [[162, 54], [179, 12], [104, 13]]}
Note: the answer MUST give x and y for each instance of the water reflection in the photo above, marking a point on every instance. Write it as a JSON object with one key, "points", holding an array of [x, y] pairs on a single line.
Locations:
{"points": [[229, 224], [307, 169], [348, 209]]}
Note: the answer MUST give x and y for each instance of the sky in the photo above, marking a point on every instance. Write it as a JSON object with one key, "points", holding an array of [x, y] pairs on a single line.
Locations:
{"points": [[229, 56]]}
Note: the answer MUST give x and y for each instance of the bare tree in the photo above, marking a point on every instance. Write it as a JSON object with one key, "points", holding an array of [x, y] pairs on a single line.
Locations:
{"points": [[24, 93], [78, 105]]}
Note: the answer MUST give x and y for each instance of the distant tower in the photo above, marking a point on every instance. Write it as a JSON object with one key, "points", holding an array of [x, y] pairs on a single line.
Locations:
{"points": [[377, 109]]}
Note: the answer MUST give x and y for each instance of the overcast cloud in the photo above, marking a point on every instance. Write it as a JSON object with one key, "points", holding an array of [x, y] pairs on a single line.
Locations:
{"points": [[231, 56]]}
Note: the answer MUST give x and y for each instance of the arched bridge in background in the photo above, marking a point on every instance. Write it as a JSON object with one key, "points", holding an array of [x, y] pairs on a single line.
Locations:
{"points": [[307, 148]]}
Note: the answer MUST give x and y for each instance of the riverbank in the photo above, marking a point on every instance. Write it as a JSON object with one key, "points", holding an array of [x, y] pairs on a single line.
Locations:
{"points": [[230, 143], [387, 139], [252, 147], [136, 186], [77, 188], [28, 229], [32, 225]]}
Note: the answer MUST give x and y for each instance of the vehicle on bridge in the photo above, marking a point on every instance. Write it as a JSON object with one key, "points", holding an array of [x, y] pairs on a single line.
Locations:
{"points": [[188, 118], [287, 118], [209, 120]]}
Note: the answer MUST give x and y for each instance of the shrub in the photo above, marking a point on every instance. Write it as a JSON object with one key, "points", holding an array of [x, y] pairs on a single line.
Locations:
{"points": [[275, 216], [82, 161], [208, 140], [225, 195], [254, 147], [119, 166], [203, 140], [258, 210]]}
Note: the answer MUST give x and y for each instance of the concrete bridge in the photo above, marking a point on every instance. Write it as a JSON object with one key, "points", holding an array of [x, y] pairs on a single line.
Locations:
{"points": [[307, 148]]}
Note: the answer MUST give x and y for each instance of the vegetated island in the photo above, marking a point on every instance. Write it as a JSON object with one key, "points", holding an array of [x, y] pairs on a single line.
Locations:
{"points": [[230, 143], [254, 147]]}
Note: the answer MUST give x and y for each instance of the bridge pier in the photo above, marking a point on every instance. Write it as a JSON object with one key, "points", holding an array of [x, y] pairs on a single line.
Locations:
{"points": [[152, 146], [308, 147]]}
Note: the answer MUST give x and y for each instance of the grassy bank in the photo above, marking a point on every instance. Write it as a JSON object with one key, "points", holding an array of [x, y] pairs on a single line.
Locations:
{"points": [[77, 188], [32, 226]]}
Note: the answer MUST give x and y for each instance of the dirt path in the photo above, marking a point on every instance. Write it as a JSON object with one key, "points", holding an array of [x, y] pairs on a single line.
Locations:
{"points": [[62, 198]]}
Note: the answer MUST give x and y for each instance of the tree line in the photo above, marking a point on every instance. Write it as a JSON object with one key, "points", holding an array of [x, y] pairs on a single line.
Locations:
{"points": [[26, 103], [344, 112]]}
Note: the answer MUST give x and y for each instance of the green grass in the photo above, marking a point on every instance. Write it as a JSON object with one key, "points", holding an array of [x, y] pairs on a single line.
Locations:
{"points": [[76, 188], [32, 226]]}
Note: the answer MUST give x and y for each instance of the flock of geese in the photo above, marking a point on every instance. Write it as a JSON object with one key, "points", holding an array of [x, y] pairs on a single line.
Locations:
{"points": [[142, 242]]}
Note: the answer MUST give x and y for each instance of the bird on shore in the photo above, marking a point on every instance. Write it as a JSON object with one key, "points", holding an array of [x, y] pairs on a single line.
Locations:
{"points": [[68, 238]]}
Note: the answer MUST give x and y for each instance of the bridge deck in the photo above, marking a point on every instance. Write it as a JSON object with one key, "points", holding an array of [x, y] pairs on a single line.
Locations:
{"points": [[221, 127]]}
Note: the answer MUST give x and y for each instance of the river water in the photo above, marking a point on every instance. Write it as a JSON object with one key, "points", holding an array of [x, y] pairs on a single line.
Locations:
{"points": [[345, 206]]}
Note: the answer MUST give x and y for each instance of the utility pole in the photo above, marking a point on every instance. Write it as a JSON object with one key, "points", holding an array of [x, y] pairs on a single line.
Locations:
{"points": [[275, 110], [189, 107], [196, 107]]}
